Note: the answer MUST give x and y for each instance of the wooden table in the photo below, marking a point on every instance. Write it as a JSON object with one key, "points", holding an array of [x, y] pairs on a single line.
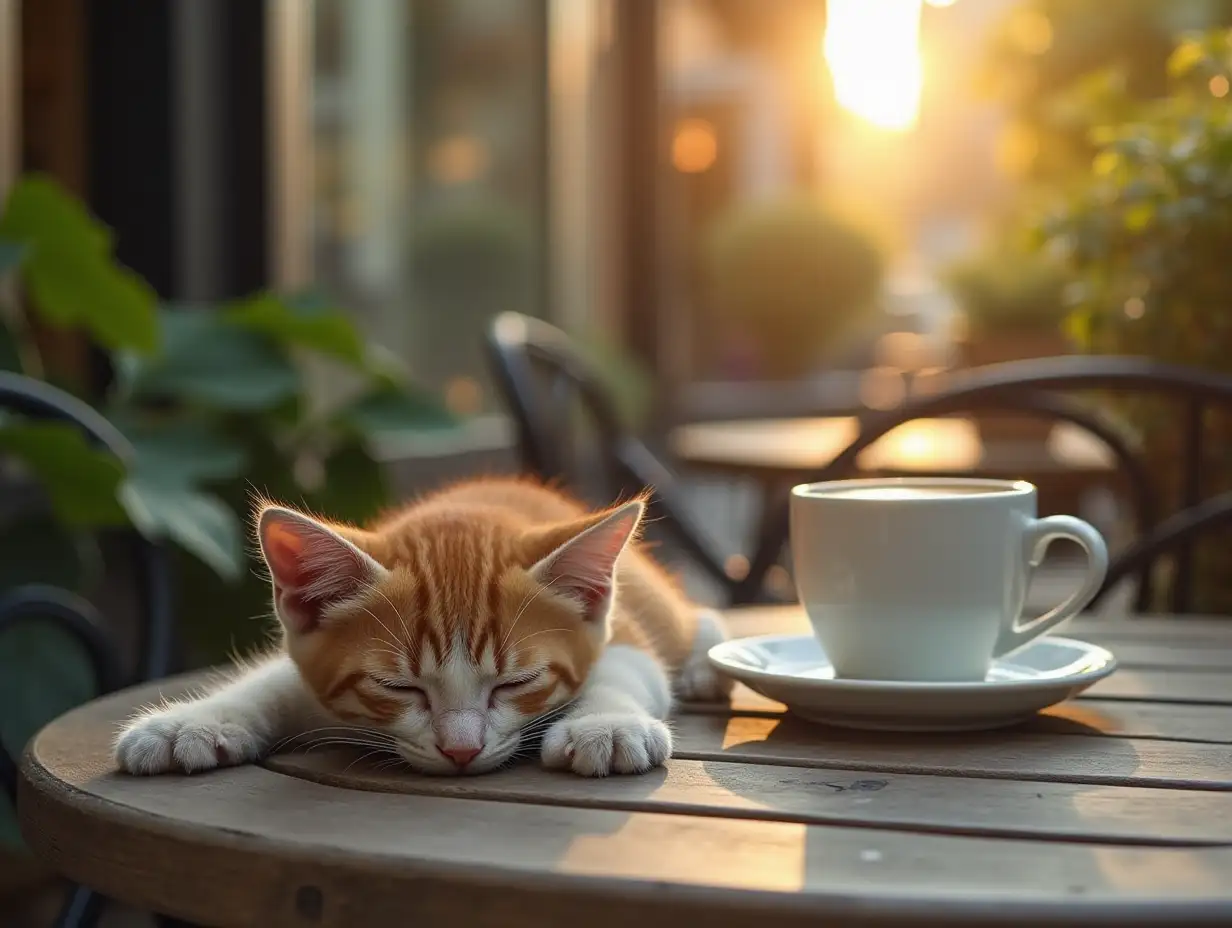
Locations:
{"points": [[1114, 809], [795, 448]]}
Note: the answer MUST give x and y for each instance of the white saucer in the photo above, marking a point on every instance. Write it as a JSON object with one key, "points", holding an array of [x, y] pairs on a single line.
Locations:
{"points": [[793, 669]]}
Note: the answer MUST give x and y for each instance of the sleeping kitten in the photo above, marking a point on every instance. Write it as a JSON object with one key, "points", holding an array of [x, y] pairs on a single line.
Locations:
{"points": [[451, 631]]}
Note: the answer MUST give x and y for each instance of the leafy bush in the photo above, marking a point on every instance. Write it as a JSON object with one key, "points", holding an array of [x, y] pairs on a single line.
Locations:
{"points": [[1147, 237], [792, 277], [1049, 59], [1009, 289]]}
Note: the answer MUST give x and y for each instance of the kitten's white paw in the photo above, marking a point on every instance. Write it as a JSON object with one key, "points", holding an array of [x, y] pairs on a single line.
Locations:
{"points": [[596, 745], [697, 680], [185, 739]]}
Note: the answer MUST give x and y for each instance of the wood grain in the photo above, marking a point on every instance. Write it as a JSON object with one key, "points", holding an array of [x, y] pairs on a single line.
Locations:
{"points": [[1004, 754], [728, 789], [247, 846]]}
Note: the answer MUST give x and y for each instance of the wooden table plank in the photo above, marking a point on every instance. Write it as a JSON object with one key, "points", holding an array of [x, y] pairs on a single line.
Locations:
{"points": [[249, 846], [945, 805], [1005, 754]]}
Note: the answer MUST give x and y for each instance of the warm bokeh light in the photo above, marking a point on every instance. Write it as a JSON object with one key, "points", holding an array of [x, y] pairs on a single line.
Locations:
{"points": [[872, 48], [1032, 31], [463, 396], [695, 146], [1219, 86], [458, 159]]}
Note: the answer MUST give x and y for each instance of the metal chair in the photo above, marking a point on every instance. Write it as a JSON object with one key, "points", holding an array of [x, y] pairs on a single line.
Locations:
{"points": [[1040, 387], [73, 614], [542, 375]]}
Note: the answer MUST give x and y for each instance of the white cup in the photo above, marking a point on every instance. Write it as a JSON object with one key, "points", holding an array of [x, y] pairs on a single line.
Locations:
{"points": [[926, 578]]}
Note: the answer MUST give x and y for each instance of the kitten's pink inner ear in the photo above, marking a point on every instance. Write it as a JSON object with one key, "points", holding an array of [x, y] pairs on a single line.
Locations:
{"points": [[312, 567], [584, 566]]}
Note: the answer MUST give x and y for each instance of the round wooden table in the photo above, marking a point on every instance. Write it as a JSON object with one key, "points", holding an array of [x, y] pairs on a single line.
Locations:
{"points": [[1112, 809]]}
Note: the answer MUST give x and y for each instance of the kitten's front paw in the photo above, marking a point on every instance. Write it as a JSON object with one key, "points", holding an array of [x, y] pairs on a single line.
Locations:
{"points": [[596, 745], [184, 739]]}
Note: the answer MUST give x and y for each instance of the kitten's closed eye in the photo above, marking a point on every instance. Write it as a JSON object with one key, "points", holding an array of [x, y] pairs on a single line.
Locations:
{"points": [[401, 686], [509, 687]]}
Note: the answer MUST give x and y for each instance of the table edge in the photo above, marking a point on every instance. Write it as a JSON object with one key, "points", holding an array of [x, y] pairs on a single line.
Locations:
{"points": [[551, 897]]}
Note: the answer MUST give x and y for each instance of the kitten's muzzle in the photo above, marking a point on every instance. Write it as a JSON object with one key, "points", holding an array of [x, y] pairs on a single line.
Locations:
{"points": [[460, 734]]}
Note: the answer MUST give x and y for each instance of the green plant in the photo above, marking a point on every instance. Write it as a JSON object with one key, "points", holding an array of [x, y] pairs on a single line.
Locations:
{"points": [[1009, 289], [1147, 238], [791, 276], [1049, 60], [217, 402]]}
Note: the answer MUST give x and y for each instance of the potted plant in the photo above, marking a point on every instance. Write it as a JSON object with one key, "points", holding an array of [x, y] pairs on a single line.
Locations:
{"points": [[788, 279], [1147, 236]]}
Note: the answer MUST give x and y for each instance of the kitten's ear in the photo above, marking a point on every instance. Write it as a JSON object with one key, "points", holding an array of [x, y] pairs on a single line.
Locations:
{"points": [[581, 563], [313, 567]]}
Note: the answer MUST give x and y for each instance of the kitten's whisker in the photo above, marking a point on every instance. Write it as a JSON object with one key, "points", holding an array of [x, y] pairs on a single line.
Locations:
{"points": [[381, 622], [343, 742], [348, 729], [542, 631], [363, 757], [396, 610], [522, 607]]}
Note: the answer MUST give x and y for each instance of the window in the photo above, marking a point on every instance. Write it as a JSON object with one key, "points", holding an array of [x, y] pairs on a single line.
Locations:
{"points": [[426, 173]]}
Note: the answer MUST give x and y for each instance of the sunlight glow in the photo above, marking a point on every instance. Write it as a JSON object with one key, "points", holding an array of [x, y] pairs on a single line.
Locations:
{"points": [[872, 48]]}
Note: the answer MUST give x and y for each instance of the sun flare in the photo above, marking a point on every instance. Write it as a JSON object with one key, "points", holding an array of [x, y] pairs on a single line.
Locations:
{"points": [[872, 48]]}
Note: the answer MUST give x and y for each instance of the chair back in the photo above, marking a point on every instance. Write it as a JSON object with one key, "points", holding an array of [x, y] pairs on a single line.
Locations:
{"points": [[1045, 387], [550, 388]]}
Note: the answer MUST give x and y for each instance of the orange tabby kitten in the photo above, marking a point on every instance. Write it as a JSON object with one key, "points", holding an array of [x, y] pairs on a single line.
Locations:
{"points": [[449, 632]]}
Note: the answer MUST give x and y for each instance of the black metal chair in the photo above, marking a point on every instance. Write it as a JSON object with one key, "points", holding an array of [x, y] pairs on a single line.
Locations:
{"points": [[73, 614], [1042, 387], [543, 377]]}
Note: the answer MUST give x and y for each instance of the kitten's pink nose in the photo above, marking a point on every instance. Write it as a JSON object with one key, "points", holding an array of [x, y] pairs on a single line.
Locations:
{"points": [[459, 755]]}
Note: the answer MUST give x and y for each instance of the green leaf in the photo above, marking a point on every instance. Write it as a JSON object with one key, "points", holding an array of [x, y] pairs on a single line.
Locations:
{"points": [[207, 360], [11, 255], [186, 451], [80, 480], [1185, 57], [307, 321], [1139, 216], [115, 304], [199, 522], [387, 410], [69, 270], [41, 213], [355, 489]]}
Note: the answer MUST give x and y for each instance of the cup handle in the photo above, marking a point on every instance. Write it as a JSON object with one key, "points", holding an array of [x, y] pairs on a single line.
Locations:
{"points": [[1039, 534]]}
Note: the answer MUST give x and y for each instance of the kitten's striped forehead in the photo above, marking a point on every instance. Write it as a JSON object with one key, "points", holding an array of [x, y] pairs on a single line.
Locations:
{"points": [[450, 592]]}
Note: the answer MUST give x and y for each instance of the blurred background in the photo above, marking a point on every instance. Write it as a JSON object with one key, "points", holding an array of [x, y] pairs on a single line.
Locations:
{"points": [[267, 242]]}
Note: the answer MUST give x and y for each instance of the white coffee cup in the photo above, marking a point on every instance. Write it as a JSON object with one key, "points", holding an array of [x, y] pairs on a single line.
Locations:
{"points": [[926, 578]]}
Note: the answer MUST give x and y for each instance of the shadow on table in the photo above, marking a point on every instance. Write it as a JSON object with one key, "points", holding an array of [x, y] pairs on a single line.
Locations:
{"points": [[1023, 781]]}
